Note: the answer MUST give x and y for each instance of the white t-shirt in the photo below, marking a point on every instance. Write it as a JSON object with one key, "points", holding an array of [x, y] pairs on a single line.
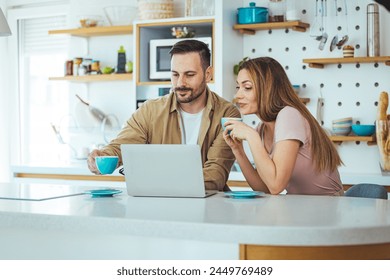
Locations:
{"points": [[190, 127]]}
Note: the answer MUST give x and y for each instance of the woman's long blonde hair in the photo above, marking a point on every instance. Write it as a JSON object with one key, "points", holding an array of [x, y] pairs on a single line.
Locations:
{"points": [[274, 92]]}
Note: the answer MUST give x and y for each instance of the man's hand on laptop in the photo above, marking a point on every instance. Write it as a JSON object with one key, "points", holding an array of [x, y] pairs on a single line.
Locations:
{"points": [[91, 161]]}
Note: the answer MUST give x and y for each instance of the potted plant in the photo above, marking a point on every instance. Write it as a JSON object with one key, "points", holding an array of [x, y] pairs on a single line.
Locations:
{"points": [[237, 66]]}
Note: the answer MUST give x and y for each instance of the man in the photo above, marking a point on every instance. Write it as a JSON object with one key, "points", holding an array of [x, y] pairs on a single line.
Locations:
{"points": [[190, 114]]}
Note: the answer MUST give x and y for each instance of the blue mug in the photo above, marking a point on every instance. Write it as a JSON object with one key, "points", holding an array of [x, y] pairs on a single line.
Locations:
{"points": [[225, 119], [106, 164]]}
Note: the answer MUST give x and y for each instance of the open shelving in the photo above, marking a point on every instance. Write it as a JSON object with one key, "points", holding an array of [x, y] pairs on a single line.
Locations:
{"points": [[252, 28], [161, 29], [371, 140], [321, 62], [95, 31], [92, 32], [94, 78]]}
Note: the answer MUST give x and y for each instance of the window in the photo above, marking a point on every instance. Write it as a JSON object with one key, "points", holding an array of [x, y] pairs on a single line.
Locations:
{"points": [[41, 102]]}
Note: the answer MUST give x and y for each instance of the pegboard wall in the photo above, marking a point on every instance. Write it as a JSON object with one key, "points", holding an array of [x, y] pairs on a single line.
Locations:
{"points": [[348, 90]]}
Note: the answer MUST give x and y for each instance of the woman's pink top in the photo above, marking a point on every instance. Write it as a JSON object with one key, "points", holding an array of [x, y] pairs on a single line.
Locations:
{"points": [[291, 125]]}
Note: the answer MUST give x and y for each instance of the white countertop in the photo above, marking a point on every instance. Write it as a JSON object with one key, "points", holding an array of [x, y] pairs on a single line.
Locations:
{"points": [[80, 168], [290, 220], [346, 178]]}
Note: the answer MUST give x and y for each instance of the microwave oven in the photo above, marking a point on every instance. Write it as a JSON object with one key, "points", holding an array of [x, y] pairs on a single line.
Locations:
{"points": [[160, 59]]}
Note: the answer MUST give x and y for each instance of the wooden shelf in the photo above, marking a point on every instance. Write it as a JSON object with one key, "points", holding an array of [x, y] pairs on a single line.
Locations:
{"points": [[321, 62], [158, 83], [305, 100], [95, 31], [251, 28], [94, 78], [371, 140]]}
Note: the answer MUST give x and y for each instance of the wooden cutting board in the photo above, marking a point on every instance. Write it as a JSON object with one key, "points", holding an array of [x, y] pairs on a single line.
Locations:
{"points": [[383, 131]]}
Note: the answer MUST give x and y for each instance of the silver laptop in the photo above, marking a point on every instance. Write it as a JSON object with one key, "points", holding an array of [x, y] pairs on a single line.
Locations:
{"points": [[166, 170]]}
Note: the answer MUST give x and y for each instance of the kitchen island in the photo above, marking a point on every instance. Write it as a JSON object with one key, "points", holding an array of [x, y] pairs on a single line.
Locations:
{"points": [[218, 227], [78, 173]]}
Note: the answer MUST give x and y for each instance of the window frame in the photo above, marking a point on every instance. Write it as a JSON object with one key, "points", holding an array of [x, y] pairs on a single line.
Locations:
{"points": [[14, 15]]}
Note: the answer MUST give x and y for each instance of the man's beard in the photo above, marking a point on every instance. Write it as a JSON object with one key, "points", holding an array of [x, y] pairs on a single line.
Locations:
{"points": [[193, 95]]}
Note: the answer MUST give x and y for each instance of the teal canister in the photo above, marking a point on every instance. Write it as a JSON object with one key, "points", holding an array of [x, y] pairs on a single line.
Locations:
{"points": [[252, 14]]}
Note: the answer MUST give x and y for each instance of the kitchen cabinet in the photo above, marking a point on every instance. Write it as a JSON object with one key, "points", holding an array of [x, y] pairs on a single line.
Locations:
{"points": [[158, 29], [145, 87]]}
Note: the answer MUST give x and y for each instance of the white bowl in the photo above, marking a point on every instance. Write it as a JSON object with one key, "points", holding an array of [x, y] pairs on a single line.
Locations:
{"points": [[120, 15]]}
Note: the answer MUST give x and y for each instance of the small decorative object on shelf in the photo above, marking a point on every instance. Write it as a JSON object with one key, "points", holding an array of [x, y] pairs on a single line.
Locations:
{"points": [[155, 9], [277, 10], [108, 70], [182, 32], [348, 51], [69, 68], [291, 11], [237, 66], [121, 67], [90, 21]]}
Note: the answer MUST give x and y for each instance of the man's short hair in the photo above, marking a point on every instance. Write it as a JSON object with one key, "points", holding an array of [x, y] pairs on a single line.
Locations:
{"points": [[192, 45]]}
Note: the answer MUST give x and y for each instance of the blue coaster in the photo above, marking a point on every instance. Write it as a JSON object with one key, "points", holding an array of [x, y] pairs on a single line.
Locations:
{"points": [[103, 192], [244, 194]]}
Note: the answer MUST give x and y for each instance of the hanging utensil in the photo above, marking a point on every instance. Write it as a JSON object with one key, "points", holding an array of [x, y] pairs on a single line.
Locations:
{"points": [[345, 38], [320, 108], [324, 36], [335, 39], [96, 113], [315, 26]]}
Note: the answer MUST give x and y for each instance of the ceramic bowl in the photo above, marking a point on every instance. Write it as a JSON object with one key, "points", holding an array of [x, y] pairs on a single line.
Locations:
{"points": [[347, 120], [363, 129], [341, 125], [342, 131]]}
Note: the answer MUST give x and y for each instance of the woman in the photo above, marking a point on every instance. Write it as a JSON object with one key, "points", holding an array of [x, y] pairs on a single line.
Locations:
{"points": [[290, 149]]}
